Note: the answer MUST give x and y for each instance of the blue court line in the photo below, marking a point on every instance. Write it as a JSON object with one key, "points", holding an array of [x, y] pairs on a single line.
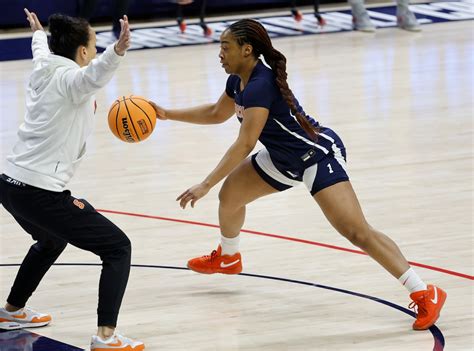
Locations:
{"points": [[439, 341]]}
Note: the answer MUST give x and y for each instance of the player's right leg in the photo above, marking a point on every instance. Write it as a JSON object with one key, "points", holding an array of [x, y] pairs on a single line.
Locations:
{"points": [[241, 187]]}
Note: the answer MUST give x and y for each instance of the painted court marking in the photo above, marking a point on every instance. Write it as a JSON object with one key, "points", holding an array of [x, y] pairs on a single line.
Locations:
{"points": [[276, 236], [438, 337]]}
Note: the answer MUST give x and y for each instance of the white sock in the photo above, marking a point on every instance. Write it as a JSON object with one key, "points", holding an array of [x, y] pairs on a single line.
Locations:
{"points": [[411, 281], [230, 246]]}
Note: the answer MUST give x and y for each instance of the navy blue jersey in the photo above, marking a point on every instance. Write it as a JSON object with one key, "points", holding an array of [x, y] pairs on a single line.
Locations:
{"points": [[288, 144]]}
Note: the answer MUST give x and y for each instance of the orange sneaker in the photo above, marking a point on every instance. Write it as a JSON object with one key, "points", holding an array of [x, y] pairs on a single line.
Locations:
{"points": [[427, 304], [217, 263]]}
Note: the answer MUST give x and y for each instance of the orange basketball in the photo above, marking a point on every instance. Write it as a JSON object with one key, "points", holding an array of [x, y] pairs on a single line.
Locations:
{"points": [[132, 118]]}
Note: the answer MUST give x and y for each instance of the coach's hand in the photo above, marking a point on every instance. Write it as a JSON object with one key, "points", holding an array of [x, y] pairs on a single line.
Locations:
{"points": [[35, 24], [123, 42]]}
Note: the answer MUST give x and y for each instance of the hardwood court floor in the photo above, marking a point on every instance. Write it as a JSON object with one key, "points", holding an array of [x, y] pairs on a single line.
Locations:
{"points": [[402, 103]]}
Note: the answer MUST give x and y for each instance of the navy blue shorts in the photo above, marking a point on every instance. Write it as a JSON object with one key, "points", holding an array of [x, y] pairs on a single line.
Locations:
{"points": [[328, 171]]}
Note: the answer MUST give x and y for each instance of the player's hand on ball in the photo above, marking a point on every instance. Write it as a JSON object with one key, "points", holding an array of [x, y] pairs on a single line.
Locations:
{"points": [[193, 194], [123, 42], [160, 111]]}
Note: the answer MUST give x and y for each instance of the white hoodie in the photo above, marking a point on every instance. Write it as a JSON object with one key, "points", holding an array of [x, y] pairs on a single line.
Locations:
{"points": [[59, 116]]}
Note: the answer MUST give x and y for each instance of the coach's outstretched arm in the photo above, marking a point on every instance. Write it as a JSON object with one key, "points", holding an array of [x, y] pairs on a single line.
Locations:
{"points": [[81, 84], [35, 24]]}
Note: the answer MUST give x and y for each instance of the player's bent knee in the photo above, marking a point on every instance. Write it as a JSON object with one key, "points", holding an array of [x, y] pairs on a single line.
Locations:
{"points": [[227, 201], [357, 236]]}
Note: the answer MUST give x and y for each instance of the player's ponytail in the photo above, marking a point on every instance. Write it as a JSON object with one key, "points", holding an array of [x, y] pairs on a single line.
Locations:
{"points": [[247, 31], [67, 34], [277, 61]]}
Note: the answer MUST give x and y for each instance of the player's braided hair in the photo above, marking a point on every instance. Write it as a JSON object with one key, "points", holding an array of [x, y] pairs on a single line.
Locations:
{"points": [[248, 31]]}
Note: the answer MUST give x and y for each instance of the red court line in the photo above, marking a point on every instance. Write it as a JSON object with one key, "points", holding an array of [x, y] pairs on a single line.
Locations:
{"points": [[276, 236]]}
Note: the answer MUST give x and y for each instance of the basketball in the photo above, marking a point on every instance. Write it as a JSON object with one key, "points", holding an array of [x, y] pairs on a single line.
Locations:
{"points": [[132, 118]]}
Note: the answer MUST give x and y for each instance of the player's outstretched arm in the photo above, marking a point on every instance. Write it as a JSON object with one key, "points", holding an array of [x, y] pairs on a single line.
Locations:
{"points": [[216, 113], [252, 125]]}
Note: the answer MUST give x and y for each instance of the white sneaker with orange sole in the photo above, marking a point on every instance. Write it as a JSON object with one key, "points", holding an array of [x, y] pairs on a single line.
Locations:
{"points": [[116, 342], [23, 318]]}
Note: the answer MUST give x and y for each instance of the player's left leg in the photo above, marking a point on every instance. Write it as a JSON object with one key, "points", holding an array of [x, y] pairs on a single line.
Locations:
{"points": [[341, 207]]}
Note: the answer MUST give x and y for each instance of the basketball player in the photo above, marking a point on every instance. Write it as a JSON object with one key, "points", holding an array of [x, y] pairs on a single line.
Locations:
{"points": [[51, 143], [297, 149]]}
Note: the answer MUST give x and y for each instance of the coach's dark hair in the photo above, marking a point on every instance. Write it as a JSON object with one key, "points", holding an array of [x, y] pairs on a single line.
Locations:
{"points": [[248, 31], [67, 34]]}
